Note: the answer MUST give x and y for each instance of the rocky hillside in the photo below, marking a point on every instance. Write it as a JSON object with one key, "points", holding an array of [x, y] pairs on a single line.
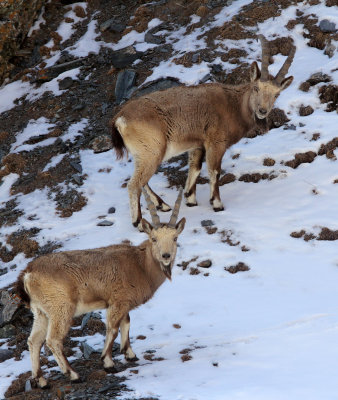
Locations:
{"points": [[66, 69]]}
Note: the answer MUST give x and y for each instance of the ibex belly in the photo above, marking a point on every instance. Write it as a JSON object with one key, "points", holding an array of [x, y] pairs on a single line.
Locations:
{"points": [[174, 149]]}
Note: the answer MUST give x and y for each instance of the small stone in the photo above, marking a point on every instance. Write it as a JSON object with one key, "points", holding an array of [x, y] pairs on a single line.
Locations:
{"points": [[111, 210], [10, 303], [66, 83], [330, 50], [326, 26], [85, 319], [112, 25], [5, 354], [150, 38], [7, 331], [205, 78], [269, 162], [124, 85], [233, 269], [79, 107], [3, 271], [86, 350], [101, 144], [195, 57], [304, 111], [205, 264], [105, 223], [304, 86], [207, 222], [76, 166], [318, 77], [77, 178], [28, 386]]}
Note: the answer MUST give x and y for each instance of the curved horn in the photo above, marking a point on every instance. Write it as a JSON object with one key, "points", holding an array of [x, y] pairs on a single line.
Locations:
{"points": [[152, 209], [265, 58], [176, 209], [284, 70]]}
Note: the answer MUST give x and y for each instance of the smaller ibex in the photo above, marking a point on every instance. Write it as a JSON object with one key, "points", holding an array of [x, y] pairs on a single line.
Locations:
{"points": [[118, 278], [204, 120]]}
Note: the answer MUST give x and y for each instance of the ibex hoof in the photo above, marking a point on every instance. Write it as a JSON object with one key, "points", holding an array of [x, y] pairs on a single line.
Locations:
{"points": [[132, 359], [163, 207], [191, 204], [111, 370], [77, 380], [217, 209]]}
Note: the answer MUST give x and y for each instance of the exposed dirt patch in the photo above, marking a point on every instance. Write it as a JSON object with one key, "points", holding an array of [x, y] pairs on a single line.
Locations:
{"points": [[227, 178], [269, 162], [233, 269], [325, 234], [329, 94], [257, 176], [301, 158], [329, 148]]}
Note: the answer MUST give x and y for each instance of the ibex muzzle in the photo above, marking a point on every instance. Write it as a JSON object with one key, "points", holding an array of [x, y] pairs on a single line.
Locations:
{"points": [[204, 120]]}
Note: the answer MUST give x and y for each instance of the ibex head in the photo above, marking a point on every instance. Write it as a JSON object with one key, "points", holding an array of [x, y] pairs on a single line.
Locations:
{"points": [[264, 90], [162, 236]]}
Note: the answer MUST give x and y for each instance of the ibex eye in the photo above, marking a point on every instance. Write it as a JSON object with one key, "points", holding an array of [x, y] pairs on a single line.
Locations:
{"points": [[255, 88], [175, 239], [154, 240]]}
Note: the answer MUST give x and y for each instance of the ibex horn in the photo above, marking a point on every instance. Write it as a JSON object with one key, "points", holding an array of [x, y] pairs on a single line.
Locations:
{"points": [[176, 209], [152, 209], [265, 58], [284, 70]]}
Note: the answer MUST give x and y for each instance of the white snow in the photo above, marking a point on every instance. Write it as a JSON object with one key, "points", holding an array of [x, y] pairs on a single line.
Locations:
{"points": [[268, 333]]}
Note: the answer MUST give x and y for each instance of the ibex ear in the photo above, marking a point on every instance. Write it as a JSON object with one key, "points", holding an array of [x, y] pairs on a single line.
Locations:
{"points": [[255, 72], [180, 225], [147, 227], [286, 82]]}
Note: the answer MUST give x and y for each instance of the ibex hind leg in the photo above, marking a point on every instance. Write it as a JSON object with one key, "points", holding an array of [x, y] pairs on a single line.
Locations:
{"points": [[214, 159], [144, 170], [125, 347], [195, 165], [156, 199], [58, 328], [35, 341]]}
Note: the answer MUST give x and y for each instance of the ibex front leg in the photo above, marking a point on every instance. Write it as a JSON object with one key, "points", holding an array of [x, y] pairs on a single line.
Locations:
{"points": [[113, 317], [195, 166], [214, 155], [125, 347]]}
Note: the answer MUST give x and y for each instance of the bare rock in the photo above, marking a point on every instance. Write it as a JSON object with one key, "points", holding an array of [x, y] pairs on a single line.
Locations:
{"points": [[105, 223], [205, 264], [101, 144], [16, 19], [6, 354], [304, 111], [207, 222], [10, 305], [124, 85], [327, 27]]}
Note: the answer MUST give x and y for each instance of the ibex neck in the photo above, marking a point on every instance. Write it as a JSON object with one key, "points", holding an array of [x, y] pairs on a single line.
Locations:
{"points": [[153, 269], [247, 113]]}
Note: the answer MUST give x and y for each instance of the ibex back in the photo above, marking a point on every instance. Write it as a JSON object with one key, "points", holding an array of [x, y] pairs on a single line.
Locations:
{"points": [[62, 285], [204, 120]]}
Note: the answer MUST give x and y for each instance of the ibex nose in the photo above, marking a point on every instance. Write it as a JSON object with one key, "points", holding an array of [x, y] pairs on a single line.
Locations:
{"points": [[166, 255], [262, 111]]}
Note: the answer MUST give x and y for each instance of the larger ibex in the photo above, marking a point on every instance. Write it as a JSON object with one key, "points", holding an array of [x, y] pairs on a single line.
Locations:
{"points": [[59, 286], [204, 120]]}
